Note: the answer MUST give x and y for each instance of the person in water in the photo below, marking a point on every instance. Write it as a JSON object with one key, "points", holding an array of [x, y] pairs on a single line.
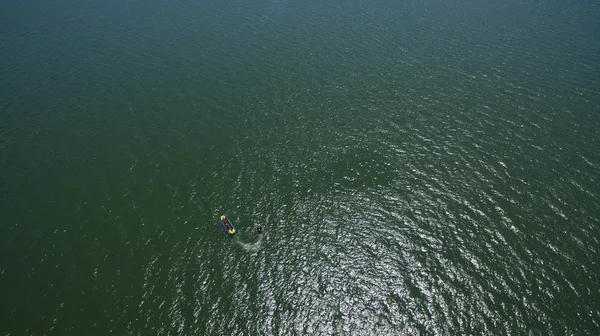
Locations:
{"points": [[259, 229]]}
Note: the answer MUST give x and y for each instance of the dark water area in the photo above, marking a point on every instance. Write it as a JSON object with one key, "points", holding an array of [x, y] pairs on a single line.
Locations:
{"points": [[418, 168]]}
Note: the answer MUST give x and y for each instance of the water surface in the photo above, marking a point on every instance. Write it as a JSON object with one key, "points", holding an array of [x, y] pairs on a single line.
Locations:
{"points": [[419, 168]]}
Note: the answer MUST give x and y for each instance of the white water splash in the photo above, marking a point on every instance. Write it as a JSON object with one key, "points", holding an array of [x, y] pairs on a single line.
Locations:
{"points": [[251, 247]]}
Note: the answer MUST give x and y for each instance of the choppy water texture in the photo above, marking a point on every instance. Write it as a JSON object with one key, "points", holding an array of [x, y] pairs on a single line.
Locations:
{"points": [[418, 167]]}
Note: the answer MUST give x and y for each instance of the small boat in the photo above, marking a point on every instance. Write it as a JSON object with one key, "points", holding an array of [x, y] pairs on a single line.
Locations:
{"points": [[227, 225]]}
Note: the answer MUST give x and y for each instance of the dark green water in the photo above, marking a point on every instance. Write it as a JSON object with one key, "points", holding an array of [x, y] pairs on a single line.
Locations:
{"points": [[419, 167]]}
